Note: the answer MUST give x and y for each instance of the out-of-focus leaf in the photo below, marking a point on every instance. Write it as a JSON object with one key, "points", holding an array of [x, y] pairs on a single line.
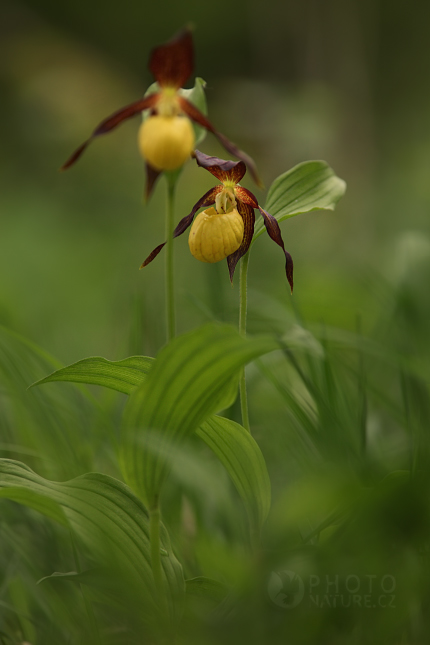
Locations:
{"points": [[309, 186], [35, 500], [56, 426], [70, 575], [245, 464], [123, 376], [185, 386], [197, 97], [207, 588], [229, 394], [109, 519]]}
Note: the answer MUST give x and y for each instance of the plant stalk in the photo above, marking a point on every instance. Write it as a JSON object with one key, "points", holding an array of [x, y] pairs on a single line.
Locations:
{"points": [[170, 291], [242, 330]]}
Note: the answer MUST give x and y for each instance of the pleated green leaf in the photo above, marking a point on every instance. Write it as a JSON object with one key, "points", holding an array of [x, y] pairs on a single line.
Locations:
{"points": [[309, 186], [245, 464], [109, 519], [35, 500], [186, 384], [123, 376]]}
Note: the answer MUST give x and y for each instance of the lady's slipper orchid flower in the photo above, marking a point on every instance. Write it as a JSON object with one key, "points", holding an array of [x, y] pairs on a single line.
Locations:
{"points": [[166, 137], [225, 231]]}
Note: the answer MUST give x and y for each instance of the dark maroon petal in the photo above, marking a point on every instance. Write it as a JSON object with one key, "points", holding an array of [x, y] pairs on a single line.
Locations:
{"points": [[207, 200], [248, 217], [195, 114], [151, 179], [224, 170], [173, 62], [274, 231], [112, 122], [245, 196]]}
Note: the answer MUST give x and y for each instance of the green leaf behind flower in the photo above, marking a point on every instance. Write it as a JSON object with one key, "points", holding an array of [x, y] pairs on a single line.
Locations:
{"points": [[309, 186], [196, 95]]}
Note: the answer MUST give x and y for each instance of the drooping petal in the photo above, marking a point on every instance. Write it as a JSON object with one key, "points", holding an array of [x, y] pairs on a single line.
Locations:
{"points": [[195, 115], [207, 200], [274, 231], [224, 170], [248, 217], [112, 122], [151, 178], [173, 62], [244, 195]]}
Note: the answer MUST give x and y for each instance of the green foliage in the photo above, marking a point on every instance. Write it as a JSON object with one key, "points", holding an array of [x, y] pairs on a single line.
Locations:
{"points": [[230, 442], [188, 382], [207, 588], [109, 519], [309, 186], [241, 456], [197, 96], [123, 376]]}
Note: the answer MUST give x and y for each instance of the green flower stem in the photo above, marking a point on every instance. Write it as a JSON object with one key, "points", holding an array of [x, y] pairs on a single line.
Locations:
{"points": [[170, 292], [242, 330]]}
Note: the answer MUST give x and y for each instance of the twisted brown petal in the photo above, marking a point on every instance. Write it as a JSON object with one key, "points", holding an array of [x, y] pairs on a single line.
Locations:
{"points": [[244, 195], [112, 122], [207, 200], [248, 217], [173, 62], [274, 231], [195, 115], [151, 178], [220, 168]]}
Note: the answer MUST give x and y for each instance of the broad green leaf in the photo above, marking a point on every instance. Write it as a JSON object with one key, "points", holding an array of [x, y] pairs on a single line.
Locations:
{"points": [[245, 464], [207, 588], [123, 376], [37, 501], [109, 519], [309, 186], [184, 387], [229, 394]]}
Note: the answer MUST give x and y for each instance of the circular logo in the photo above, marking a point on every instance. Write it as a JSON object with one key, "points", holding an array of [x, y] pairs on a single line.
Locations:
{"points": [[285, 589]]}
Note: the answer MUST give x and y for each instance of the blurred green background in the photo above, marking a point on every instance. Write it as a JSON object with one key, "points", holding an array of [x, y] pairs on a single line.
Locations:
{"points": [[344, 81]]}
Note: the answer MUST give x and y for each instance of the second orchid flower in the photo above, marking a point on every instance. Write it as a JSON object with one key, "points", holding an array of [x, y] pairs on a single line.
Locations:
{"points": [[166, 138]]}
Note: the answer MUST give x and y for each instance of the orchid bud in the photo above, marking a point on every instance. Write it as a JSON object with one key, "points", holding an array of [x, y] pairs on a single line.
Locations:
{"points": [[166, 142], [214, 236]]}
